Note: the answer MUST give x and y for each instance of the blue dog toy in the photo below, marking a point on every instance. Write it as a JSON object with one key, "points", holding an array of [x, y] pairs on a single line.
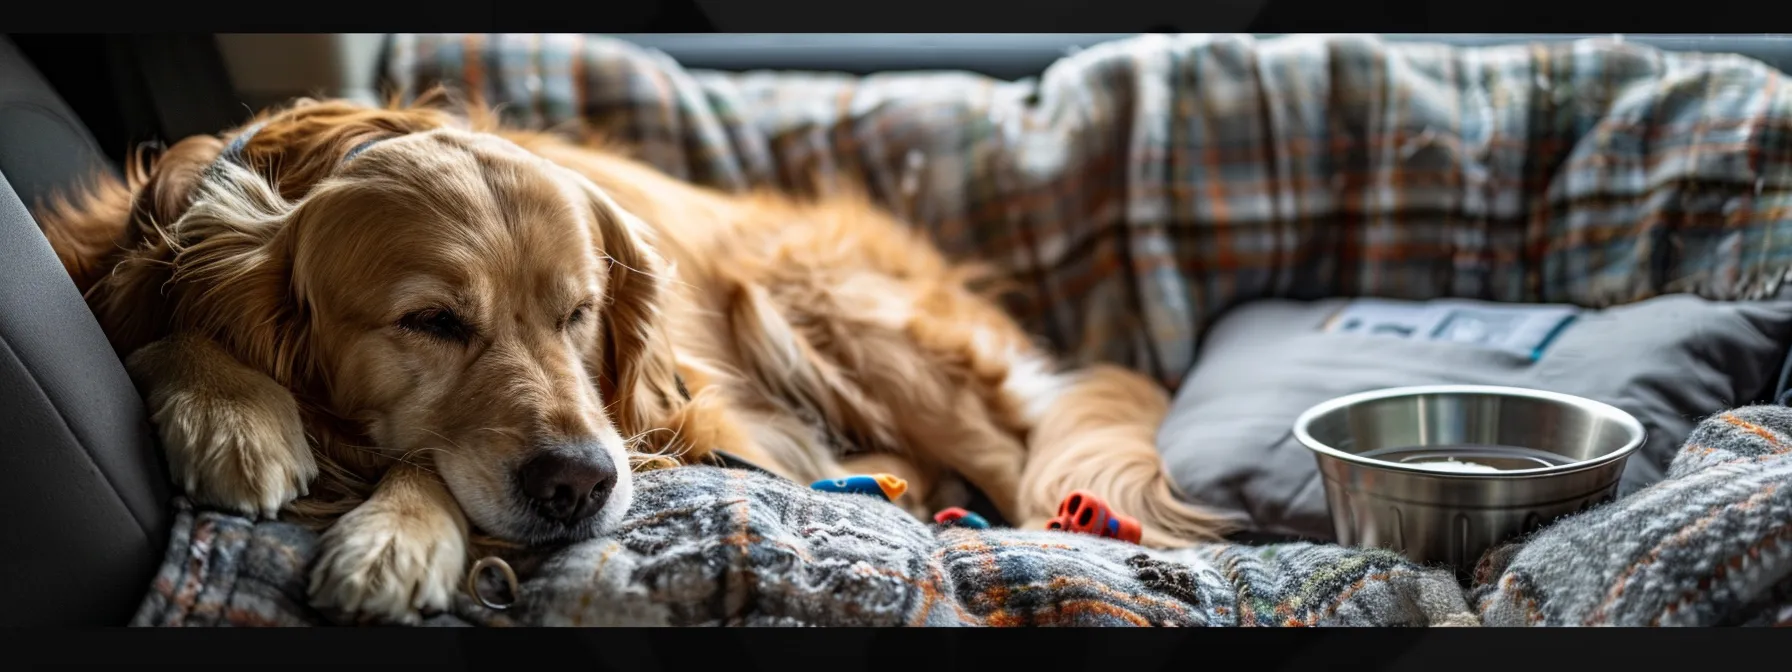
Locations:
{"points": [[885, 486]]}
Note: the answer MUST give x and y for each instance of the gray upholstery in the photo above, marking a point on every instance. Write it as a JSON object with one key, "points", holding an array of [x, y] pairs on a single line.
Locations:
{"points": [[1669, 361], [43, 146], [84, 492]]}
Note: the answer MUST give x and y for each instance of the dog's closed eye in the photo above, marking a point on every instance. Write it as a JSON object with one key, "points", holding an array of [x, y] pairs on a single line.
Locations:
{"points": [[438, 323], [575, 317]]}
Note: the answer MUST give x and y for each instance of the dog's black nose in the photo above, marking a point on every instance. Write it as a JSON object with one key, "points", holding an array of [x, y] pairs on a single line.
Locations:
{"points": [[567, 487]]}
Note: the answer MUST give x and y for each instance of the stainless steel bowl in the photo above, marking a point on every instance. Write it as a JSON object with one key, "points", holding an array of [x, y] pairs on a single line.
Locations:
{"points": [[1412, 468]]}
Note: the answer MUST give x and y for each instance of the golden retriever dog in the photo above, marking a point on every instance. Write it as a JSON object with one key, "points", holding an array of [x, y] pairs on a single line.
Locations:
{"points": [[418, 329]]}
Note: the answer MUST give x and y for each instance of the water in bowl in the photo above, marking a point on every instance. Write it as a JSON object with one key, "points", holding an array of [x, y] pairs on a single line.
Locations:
{"points": [[1469, 458]]}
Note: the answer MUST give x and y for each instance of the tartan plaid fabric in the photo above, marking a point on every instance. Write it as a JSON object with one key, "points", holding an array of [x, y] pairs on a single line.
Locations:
{"points": [[1138, 189]]}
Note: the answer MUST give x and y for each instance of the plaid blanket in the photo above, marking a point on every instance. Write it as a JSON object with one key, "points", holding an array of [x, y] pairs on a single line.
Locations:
{"points": [[711, 546], [1139, 188]]}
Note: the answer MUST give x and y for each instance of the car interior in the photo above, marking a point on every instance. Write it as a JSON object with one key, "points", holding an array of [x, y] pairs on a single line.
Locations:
{"points": [[79, 451]]}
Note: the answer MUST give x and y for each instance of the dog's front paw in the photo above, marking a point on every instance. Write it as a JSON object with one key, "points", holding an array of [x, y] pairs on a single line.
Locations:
{"points": [[247, 457], [381, 566], [233, 437]]}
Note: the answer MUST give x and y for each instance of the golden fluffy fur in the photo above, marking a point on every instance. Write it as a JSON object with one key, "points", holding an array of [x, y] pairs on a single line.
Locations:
{"points": [[270, 315]]}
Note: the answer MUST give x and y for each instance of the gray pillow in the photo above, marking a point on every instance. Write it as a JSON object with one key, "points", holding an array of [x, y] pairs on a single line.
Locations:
{"points": [[1669, 361]]}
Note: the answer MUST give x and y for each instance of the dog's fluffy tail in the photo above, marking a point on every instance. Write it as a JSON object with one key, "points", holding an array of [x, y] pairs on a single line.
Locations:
{"points": [[1098, 434]]}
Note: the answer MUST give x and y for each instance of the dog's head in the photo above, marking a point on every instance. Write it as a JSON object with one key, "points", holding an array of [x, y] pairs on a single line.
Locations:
{"points": [[462, 302]]}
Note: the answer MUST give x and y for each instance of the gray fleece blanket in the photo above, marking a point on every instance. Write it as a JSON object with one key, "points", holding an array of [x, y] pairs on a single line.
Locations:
{"points": [[709, 546], [1709, 546]]}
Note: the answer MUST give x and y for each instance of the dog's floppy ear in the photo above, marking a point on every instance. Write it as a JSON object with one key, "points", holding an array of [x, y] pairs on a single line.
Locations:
{"points": [[232, 277], [639, 377], [109, 236]]}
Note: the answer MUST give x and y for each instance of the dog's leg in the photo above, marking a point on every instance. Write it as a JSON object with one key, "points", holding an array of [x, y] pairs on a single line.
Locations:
{"points": [[1096, 430], [882, 377], [232, 436], [1028, 434], [969, 445], [773, 442], [397, 555]]}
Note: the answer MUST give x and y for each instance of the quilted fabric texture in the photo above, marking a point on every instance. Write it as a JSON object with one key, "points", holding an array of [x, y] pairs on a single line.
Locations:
{"points": [[711, 546]]}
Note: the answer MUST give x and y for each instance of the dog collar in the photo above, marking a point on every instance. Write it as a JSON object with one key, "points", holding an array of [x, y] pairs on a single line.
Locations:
{"points": [[730, 461], [360, 148], [233, 152], [720, 457]]}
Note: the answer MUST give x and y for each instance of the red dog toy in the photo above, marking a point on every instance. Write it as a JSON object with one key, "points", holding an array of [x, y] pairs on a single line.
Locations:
{"points": [[958, 517], [1084, 512]]}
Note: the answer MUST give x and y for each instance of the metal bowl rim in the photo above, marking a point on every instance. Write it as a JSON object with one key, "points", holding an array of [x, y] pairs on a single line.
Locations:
{"points": [[1628, 421]]}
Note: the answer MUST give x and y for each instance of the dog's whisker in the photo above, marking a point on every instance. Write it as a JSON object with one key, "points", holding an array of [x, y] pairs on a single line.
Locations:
{"points": [[370, 450], [632, 269], [438, 435], [506, 433], [610, 407], [421, 451], [407, 458]]}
